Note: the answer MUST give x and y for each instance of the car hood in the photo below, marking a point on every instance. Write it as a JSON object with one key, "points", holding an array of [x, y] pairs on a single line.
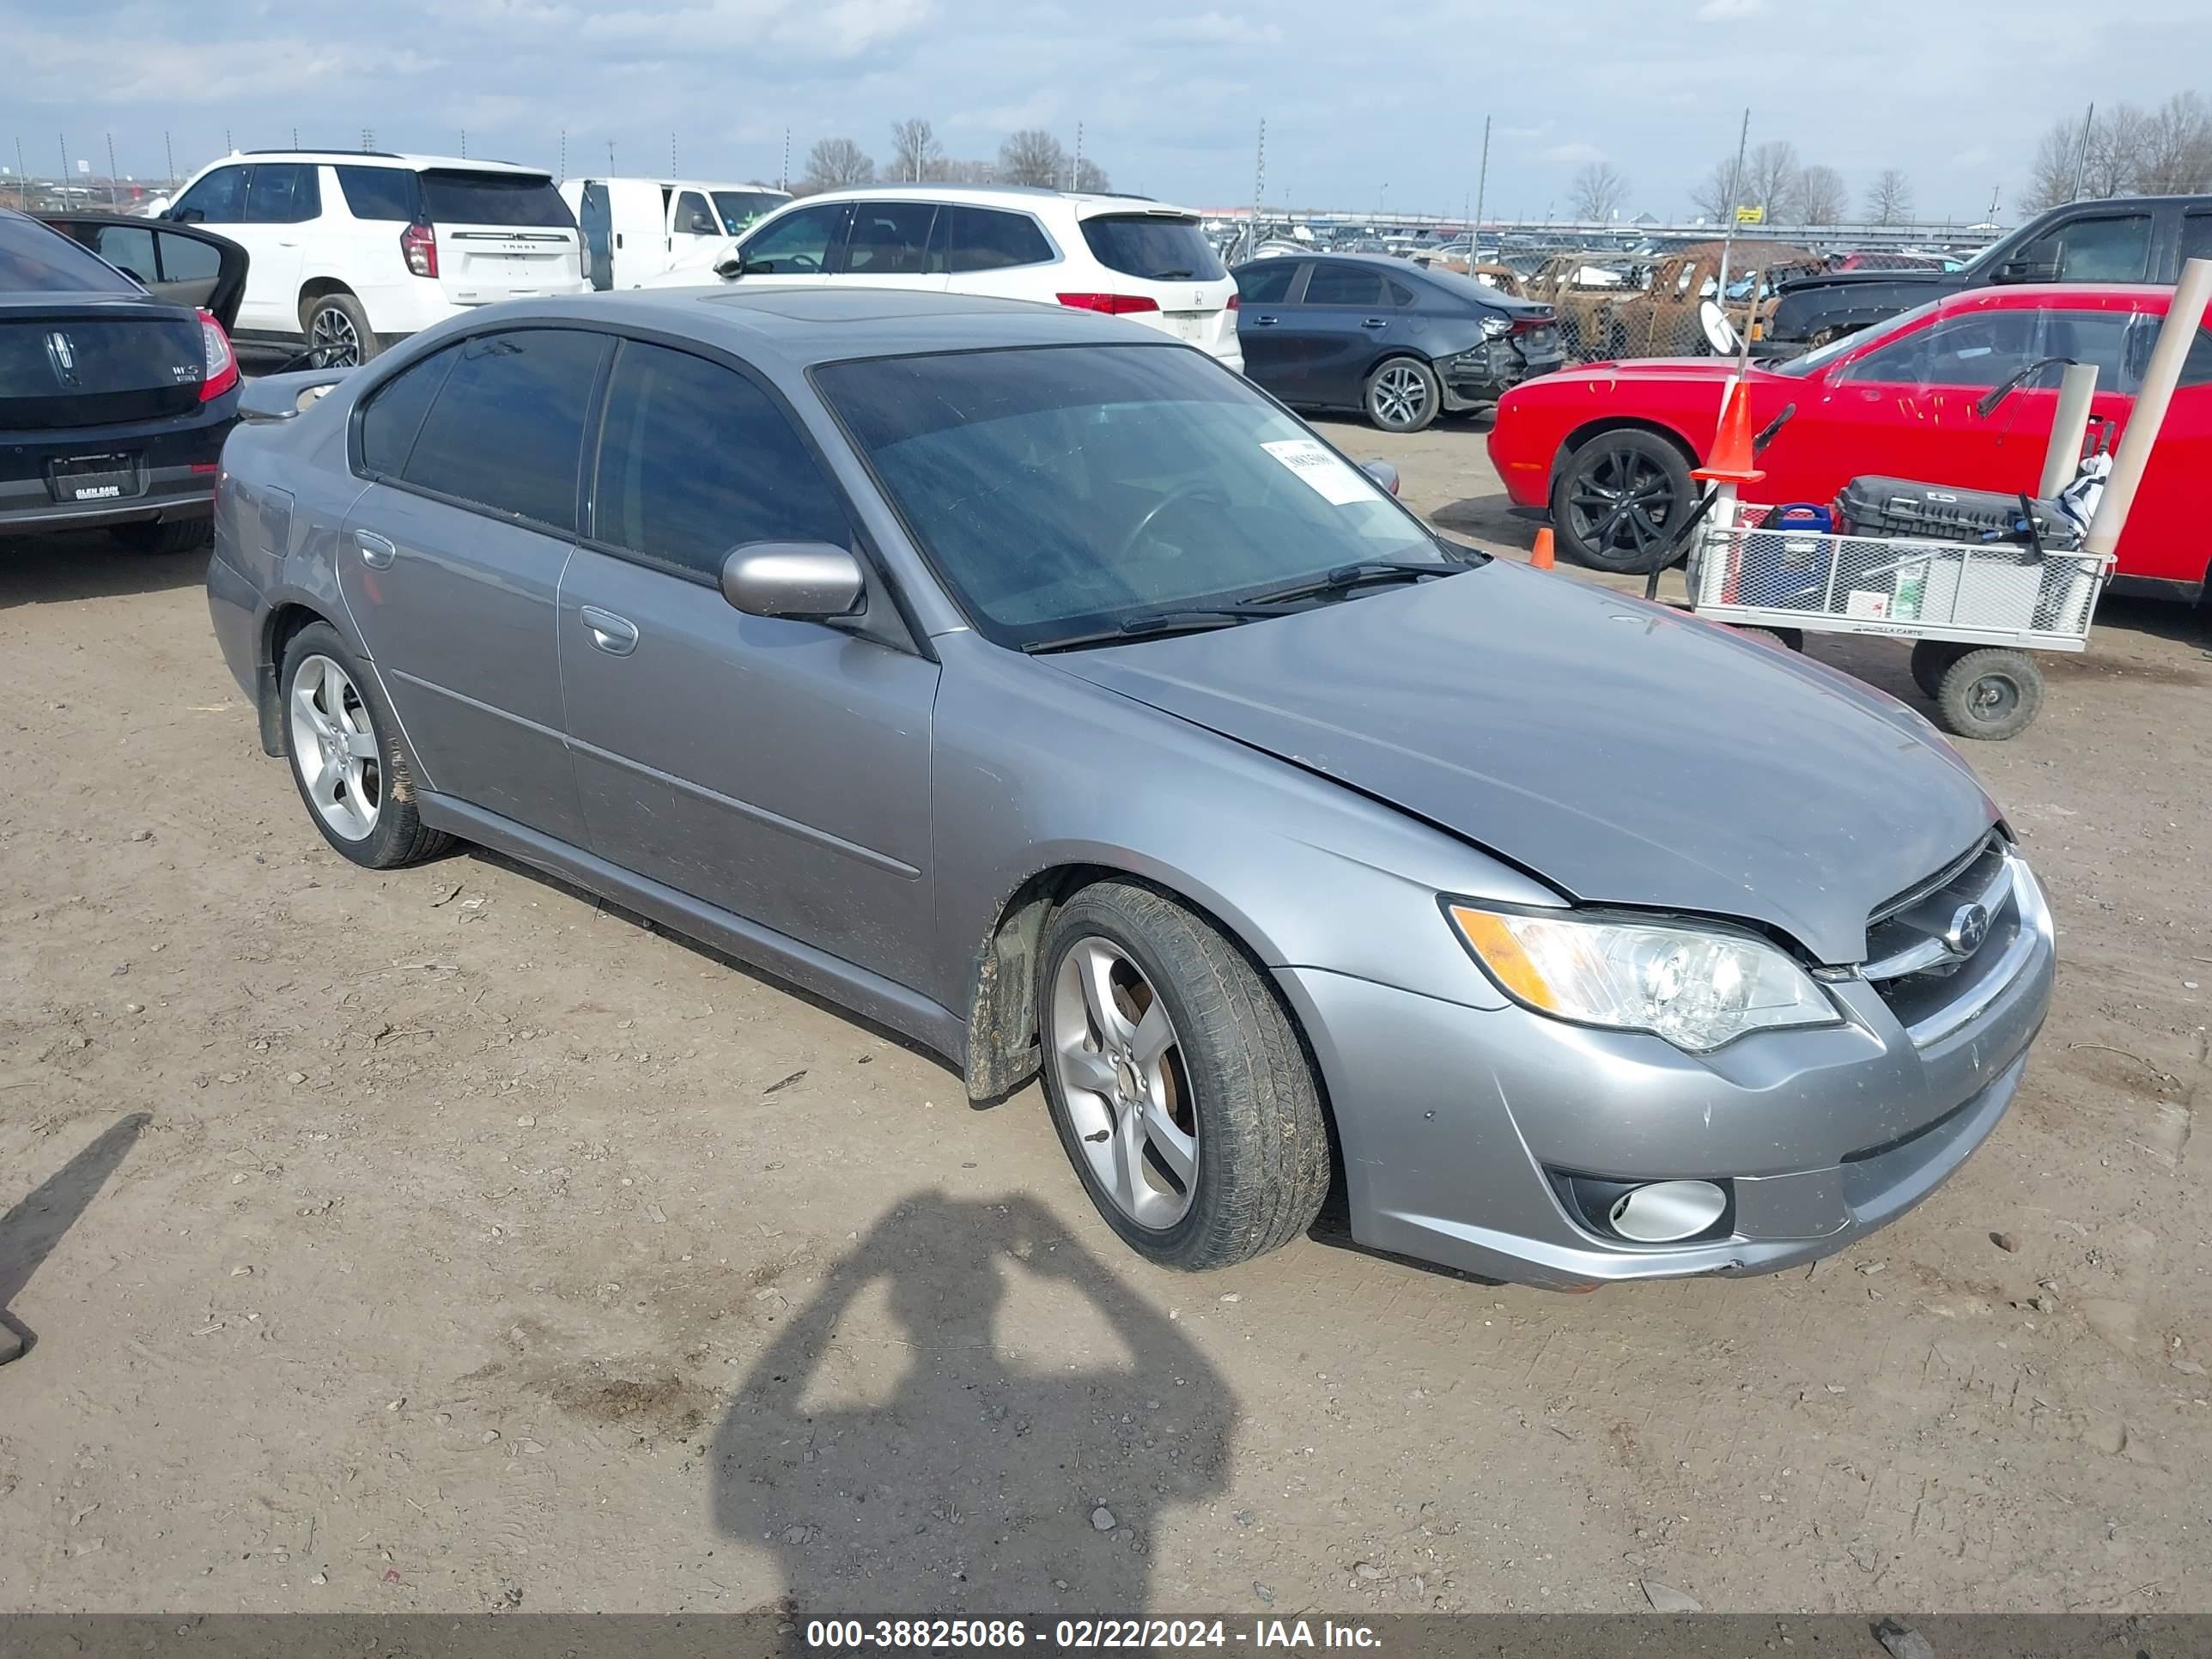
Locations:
{"points": [[1625, 753], [1907, 277]]}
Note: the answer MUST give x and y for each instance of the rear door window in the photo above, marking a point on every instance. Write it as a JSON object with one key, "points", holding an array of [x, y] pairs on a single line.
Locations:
{"points": [[217, 199], [1344, 285], [2195, 237], [2115, 248], [506, 429], [1267, 283], [452, 197], [1152, 247], [37, 259], [2096, 337], [282, 193], [695, 459], [385, 193], [985, 239], [391, 419], [130, 249]]}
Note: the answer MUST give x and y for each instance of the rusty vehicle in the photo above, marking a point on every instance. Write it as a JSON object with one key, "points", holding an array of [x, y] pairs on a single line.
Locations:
{"points": [[1585, 288], [1663, 320]]}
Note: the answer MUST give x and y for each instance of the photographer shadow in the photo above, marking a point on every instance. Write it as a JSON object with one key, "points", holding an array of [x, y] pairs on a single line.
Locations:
{"points": [[991, 1458]]}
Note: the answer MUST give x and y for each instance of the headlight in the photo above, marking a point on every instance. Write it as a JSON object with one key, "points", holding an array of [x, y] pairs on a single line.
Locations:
{"points": [[1497, 328], [1697, 989]]}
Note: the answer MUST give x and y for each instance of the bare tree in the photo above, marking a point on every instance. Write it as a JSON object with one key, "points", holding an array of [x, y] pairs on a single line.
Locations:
{"points": [[916, 156], [1774, 180], [1032, 156], [2057, 164], [1598, 192], [1822, 197], [1090, 176], [2116, 141], [1716, 198], [970, 173], [2175, 155], [834, 163], [1889, 199]]}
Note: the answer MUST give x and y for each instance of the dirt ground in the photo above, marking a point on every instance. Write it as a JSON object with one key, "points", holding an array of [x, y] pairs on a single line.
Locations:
{"points": [[445, 1240]]}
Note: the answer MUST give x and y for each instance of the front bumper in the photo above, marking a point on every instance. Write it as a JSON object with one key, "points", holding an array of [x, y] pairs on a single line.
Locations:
{"points": [[1455, 1122], [171, 462]]}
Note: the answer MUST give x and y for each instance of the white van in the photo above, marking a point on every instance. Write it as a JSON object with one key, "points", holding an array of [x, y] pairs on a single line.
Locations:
{"points": [[636, 228], [1123, 255], [350, 251]]}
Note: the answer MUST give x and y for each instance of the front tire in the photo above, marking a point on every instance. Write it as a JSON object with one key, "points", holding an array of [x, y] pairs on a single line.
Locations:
{"points": [[345, 761], [337, 325], [1619, 499], [162, 536], [1178, 1087], [1402, 395]]}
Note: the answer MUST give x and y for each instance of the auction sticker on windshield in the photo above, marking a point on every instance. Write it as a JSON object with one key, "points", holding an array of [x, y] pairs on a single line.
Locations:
{"points": [[1339, 484]]}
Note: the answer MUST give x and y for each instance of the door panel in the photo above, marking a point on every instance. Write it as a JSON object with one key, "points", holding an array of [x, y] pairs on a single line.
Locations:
{"points": [[1264, 288], [460, 620], [1344, 319]]}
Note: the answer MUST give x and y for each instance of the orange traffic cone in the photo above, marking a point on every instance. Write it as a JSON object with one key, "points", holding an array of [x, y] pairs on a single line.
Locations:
{"points": [[1731, 460], [1540, 557]]}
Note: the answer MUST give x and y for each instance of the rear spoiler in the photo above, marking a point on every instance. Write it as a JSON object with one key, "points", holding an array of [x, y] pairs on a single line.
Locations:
{"points": [[282, 396]]}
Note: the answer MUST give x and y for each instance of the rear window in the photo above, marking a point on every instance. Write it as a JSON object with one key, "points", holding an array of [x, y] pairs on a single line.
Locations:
{"points": [[451, 197], [36, 259], [1153, 247], [378, 193]]}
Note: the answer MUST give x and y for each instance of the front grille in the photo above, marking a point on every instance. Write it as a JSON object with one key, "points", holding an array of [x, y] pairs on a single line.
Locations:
{"points": [[1915, 958]]}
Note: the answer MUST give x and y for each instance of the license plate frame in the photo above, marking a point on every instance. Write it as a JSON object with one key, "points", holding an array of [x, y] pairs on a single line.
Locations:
{"points": [[106, 476]]}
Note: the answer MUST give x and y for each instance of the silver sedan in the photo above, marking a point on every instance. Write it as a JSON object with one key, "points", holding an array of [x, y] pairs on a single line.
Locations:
{"points": [[1032, 685]]}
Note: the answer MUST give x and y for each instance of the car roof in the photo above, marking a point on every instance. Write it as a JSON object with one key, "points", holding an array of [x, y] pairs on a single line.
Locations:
{"points": [[1086, 203], [794, 329], [2035, 296], [388, 159]]}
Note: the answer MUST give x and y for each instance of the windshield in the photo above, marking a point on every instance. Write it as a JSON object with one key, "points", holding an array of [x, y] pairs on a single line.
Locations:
{"points": [[1820, 357], [1060, 491], [738, 208]]}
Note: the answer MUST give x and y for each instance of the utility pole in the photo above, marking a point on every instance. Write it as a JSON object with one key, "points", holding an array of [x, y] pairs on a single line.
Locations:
{"points": [[228, 148], [1258, 187], [110, 169], [1995, 191], [611, 157], [564, 155], [783, 178], [22, 172], [465, 143], [1735, 190], [367, 139], [1481, 189], [169, 158], [671, 152], [295, 140], [1075, 173], [2081, 154], [63, 138]]}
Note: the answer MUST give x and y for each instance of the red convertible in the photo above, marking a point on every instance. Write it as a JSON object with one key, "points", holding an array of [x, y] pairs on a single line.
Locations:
{"points": [[1608, 446]]}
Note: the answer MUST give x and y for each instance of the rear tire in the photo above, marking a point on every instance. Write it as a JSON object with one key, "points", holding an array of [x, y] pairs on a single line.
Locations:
{"points": [[165, 535], [1990, 695], [1789, 639], [1402, 395], [1222, 1088], [1931, 660], [336, 323], [344, 759]]}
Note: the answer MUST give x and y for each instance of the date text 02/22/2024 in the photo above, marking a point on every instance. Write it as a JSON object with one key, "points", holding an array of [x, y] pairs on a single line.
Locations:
{"points": [[832, 1636]]}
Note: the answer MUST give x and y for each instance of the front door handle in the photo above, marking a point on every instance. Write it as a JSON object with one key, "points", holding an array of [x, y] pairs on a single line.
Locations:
{"points": [[616, 636], [1376, 322], [375, 550]]}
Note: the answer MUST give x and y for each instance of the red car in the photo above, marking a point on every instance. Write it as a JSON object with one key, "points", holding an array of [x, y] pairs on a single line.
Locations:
{"points": [[1608, 446]]}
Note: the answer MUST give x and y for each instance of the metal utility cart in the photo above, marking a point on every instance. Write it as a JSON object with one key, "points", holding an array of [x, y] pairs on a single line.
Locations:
{"points": [[1973, 611]]}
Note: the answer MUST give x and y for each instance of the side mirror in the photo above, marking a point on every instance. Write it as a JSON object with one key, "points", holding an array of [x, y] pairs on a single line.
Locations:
{"points": [[1383, 472], [186, 216], [731, 269], [809, 582]]}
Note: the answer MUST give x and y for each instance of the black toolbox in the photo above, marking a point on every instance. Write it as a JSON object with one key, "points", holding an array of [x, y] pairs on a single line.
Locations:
{"points": [[1900, 507]]}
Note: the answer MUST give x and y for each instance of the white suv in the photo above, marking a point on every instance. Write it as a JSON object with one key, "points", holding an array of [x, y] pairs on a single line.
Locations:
{"points": [[1119, 254], [351, 251]]}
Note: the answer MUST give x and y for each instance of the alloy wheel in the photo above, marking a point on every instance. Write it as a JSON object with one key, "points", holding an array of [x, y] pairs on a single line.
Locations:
{"points": [[334, 746], [331, 331], [1399, 396], [1622, 501], [1119, 1063]]}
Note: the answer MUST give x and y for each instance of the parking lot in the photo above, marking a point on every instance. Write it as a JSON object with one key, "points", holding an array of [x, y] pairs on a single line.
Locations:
{"points": [[446, 1240]]}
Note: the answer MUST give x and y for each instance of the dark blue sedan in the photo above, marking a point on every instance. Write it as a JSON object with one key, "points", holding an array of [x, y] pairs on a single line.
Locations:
{"points": [[1398, 344]]}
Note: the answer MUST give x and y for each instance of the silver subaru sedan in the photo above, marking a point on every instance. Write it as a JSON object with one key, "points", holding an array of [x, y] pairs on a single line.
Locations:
{"points": [[1029, 683]]}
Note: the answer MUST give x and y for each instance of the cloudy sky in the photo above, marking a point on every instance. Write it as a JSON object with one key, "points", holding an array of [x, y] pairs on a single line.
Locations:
{"points": [[1365, 104]]}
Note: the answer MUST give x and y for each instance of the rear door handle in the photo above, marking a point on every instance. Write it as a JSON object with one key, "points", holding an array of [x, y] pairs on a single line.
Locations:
{"points": [[616, 636], [1264, 322], [1376, 322], [375, 550]]}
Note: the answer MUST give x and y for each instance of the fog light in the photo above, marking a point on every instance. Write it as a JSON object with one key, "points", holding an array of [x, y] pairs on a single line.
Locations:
{"points": [[1666, 1210]]}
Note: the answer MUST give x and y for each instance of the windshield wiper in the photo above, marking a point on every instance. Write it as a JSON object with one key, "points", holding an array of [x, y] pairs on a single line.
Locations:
{"points": [[1347, 576], [1188, 619]]}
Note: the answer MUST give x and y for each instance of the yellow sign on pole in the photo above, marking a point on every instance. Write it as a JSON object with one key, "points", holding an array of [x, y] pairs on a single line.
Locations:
{"points": [[1751, 215]]}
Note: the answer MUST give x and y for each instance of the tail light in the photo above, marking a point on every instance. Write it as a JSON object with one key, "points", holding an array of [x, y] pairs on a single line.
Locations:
{"points": [[1114, 305], [418, 246], [1232, 302], [221, 371]]}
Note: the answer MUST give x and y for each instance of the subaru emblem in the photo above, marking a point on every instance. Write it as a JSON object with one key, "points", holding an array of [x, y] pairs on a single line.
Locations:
{"points": [[1969, 925]]}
